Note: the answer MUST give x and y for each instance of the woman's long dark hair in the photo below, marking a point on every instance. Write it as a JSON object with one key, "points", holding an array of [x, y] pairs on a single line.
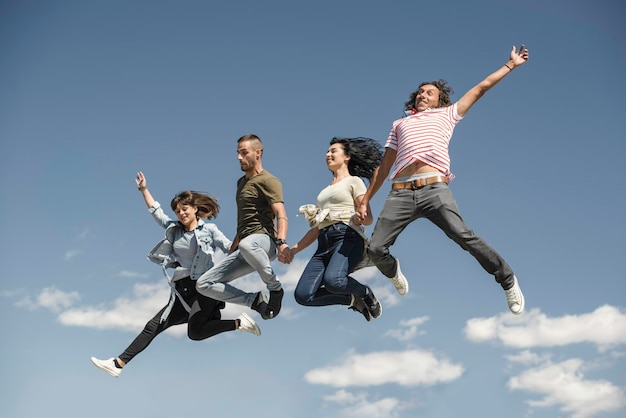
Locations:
{"points": [[365, 155]]}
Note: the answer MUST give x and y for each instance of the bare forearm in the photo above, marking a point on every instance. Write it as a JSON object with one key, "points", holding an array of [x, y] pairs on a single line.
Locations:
{"points": [[308, 239], [147, 197], [380, 174]]}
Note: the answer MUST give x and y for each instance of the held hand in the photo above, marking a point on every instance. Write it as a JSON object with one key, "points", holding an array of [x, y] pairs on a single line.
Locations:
{"points": [[361, 213], [285, 254], [520, 56], [141, 181]]}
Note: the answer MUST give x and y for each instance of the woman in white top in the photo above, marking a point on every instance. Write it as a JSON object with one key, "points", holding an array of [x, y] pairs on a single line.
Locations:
{"points": [[338, 230]]}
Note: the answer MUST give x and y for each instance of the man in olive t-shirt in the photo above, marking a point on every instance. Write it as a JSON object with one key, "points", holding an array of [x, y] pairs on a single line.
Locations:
{"points": [[258, 241]]}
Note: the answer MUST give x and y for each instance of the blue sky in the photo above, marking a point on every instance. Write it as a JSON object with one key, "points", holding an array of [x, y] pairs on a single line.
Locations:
{"points": [[93, 91]]}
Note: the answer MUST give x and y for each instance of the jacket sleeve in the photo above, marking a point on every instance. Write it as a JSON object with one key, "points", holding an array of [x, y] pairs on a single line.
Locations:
{"points": [[159, 216], [220, 240]]}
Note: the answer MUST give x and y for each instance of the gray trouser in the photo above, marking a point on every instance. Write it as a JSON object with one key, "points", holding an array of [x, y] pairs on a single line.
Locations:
{"points": [[436, 203], [255, 252]]}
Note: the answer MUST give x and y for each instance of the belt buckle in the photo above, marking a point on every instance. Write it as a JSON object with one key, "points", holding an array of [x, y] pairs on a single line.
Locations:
{"points": [[415, 184]]}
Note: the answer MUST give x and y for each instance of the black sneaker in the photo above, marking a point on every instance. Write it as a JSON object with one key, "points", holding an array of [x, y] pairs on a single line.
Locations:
{"points": [[373, 305], [276, 300], [358, 305], [260, 305]]}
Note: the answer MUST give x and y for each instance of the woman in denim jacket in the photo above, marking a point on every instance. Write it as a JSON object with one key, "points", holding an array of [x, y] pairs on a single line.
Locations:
{"points": [[188, 247]]}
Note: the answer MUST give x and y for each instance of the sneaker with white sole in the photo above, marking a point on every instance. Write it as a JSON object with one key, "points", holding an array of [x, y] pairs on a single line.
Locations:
{"points": [[108, 366], [358, 305], [372, 304], [399, 281], [247, 324], [515, 298]]}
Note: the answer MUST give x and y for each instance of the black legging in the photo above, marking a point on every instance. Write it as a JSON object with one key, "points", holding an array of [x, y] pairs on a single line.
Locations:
{"points": [[203, 321]]}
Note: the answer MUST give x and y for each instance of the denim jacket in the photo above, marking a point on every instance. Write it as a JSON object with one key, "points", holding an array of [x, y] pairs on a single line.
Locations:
{"points": [[208, 237]]}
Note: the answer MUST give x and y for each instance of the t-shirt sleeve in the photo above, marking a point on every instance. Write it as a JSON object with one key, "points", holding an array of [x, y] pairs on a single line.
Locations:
{"points": [[392, 139], [273, 190], [358, 187]]}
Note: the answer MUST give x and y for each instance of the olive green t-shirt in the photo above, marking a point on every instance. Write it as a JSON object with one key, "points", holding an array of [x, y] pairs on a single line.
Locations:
{"points": [[255, 197]]}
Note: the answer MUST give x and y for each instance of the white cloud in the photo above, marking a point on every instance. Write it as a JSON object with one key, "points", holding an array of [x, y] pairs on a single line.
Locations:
{"points": [[357, 405], [605, 327], [22, 299], [55, 299], [527, 357], [70, 254], [563, 385], [132, 274], [84, 233], [406, 368], [128, 313], [410, 330]]}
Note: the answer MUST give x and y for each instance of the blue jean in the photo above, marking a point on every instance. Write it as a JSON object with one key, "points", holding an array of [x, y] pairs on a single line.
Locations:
{"points": [[325, 279], [436, 203], [255, 253]]}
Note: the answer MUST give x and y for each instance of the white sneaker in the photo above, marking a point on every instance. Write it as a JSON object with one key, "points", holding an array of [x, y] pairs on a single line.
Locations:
{"points": [[399, 281], [107, 365], [515, 298], [247, 324]]}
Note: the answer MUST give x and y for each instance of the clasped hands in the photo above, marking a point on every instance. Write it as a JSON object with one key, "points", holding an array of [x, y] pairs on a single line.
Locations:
{"points": [[285, 254]]}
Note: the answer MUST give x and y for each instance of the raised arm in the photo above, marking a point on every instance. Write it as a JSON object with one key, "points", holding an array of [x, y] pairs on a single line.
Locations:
{"points": [[142, 185], [380, 174], [516, 58]]}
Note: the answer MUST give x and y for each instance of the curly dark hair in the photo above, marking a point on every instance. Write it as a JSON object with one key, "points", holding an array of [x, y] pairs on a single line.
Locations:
{"points": [[365, 155], [445, 91], [207, 205]]}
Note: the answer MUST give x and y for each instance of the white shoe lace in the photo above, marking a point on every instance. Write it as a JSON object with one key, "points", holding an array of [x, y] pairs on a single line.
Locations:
{"points": [[399, 281], [514, 297]]}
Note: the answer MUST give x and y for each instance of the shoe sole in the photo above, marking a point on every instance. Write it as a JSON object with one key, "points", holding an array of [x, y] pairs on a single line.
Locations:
{"points": [[96, 362], [402, 290], [255, 326]]}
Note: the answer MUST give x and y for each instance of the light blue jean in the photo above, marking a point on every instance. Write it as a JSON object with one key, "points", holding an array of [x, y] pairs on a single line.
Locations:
{"points": [[325, 279], [255, 253], [436, 203]]}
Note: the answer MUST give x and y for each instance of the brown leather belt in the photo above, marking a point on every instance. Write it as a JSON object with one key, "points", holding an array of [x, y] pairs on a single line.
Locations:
{"points": [[419, 183]]}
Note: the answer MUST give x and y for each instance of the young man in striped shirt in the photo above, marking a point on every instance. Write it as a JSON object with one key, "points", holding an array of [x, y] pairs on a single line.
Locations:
{"points": [[417, 148]]}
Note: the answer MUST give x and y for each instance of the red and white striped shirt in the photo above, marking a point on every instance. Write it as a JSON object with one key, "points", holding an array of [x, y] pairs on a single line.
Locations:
{"points": [[424, 136]]}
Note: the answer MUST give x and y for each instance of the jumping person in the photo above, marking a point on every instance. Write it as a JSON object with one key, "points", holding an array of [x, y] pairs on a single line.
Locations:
{"points": [[418, 148], [189, 247], [339, 234], [258, 241]]}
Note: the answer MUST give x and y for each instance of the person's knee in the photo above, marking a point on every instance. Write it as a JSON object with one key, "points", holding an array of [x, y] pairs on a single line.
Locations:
{"points": [[376, 252], [335, 283], [247, 246], [302, 299], [194, 335]]}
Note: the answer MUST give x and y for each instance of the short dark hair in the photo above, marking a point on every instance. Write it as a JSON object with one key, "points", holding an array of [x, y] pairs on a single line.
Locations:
{"points": [[445, 91], [256, 141]]}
